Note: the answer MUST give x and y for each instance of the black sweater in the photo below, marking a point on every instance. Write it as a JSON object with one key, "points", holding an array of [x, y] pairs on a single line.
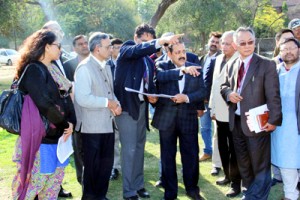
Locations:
{"points": [[39, 84]]}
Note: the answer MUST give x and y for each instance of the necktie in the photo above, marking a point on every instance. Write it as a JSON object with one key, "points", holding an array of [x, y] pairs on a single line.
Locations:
{"points": [[146, 76], [240, 75]]}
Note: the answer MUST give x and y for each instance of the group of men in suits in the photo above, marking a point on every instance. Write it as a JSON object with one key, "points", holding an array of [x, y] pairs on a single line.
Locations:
{"points": [[100, 94]]}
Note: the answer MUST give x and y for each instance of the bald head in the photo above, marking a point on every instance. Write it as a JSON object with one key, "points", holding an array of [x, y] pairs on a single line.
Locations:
{"points": [[56, 28]]}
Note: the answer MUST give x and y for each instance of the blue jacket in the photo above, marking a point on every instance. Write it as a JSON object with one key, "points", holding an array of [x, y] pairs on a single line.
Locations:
{"points": [[129, 72], [166, 110]]}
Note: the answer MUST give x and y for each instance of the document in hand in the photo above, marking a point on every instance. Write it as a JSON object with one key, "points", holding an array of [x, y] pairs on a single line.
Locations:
{"points": [[147, 94], [257, 118], [64, 149]]}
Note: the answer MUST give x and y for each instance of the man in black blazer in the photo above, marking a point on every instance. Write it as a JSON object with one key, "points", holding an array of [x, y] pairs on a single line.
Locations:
{"points": [[135, 70], [252, 81], [177, 118], [81, 47]]}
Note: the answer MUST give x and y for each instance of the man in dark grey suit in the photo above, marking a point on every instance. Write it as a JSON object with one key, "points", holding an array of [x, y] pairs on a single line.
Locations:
{"points": [[177, 117], [81, 47], [250, 82]]}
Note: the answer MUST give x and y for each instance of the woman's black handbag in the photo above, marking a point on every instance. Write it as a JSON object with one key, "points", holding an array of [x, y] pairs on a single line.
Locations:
{"points": [[11, 102]]}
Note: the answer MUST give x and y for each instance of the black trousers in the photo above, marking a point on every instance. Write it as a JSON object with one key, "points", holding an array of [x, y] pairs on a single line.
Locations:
{"points": [[189, 150], [254, 161], [227, 154], [98, 160], [78, 155]]}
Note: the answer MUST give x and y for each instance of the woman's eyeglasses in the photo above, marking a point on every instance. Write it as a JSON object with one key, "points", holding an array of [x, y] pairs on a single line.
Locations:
{"points": [[57, 44]]}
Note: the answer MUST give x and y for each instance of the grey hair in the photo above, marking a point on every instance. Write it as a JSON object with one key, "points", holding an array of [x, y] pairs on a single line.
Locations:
{"points": [[167, 34], [95, 40], [243, 29], [227, 33]]}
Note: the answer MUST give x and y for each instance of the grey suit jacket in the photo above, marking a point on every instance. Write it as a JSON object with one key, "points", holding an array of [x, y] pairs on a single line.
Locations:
{"points": [[261, 86], [93, 86]]}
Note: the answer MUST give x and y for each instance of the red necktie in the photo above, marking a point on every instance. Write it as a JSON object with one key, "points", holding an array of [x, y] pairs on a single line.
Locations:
{"points": [[240, 75]]}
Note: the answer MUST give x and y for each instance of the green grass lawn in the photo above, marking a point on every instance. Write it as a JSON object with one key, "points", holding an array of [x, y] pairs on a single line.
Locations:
{"points": [[209, 189]]}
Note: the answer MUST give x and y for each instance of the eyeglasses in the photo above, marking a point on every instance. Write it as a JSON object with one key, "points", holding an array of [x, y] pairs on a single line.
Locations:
{"points": [[226, 44], [242, 44], [288, 49], [116, 47], [107, 47], [57, 44]]}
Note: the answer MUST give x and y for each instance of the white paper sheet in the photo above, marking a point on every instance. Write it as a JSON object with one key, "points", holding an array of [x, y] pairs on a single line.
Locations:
{"points": [[147, 94], [252, 117], [64, 149]]}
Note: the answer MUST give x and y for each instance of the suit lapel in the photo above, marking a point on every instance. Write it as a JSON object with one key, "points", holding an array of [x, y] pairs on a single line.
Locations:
{"points": [[251, 70], [172, 66], [235, 72]]}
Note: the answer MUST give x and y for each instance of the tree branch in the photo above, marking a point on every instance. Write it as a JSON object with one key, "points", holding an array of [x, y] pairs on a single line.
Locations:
{"points": [[161, 9]]}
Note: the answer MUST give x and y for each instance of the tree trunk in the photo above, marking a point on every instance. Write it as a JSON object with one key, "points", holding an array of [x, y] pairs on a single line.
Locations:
{"points": [[160, 11]]}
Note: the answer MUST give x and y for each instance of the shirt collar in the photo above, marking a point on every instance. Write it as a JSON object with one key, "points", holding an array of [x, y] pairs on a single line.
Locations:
{"points": [[246, 60], [101, 63]]}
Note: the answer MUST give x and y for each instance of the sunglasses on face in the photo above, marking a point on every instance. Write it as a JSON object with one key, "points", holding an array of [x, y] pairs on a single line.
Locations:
{"points": [[242, 44], [57, 44]]}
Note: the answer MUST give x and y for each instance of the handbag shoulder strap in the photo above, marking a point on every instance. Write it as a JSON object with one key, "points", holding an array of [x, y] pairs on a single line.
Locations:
{"points": [[20, 79]]}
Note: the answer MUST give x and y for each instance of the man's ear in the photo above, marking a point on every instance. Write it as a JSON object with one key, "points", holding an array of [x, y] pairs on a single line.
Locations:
{"points": [[135, 38], [234, 45]]}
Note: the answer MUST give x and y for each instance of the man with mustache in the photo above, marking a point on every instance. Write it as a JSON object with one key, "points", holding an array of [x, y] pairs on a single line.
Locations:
{"points": [[208, 63], [286, 139], [177, 118]]}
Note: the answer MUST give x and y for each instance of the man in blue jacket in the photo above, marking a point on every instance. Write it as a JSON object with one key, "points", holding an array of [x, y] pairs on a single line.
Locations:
{"points": [[135, 70]]}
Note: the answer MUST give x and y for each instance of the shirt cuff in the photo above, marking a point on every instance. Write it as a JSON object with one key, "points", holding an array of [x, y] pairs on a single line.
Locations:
{"points": [[106, 102], [187, 99], [157, 45]]}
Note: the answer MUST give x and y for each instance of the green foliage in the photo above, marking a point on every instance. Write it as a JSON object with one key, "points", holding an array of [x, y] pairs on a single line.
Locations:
{"points": [[146, 8], [86, 16], [198, 18], [268, 21]]}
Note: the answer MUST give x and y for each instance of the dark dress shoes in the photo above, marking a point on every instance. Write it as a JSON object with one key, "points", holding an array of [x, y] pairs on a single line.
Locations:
{"points": [[64, 193], [233, 192], [143, 193], [223, 181], [114, 174], [215, 171], [194, 196], [132, 198]]}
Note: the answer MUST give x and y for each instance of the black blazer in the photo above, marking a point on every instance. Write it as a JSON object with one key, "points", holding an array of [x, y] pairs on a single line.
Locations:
{"points": [[166, 110], [261, 86], [129, 72], [112, 67], [70, 67], [209, 74], [39, 84]]}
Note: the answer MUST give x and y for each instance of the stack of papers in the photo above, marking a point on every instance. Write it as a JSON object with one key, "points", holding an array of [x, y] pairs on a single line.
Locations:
{"points": [[64, 149], [147, 94], [252, 122]]}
